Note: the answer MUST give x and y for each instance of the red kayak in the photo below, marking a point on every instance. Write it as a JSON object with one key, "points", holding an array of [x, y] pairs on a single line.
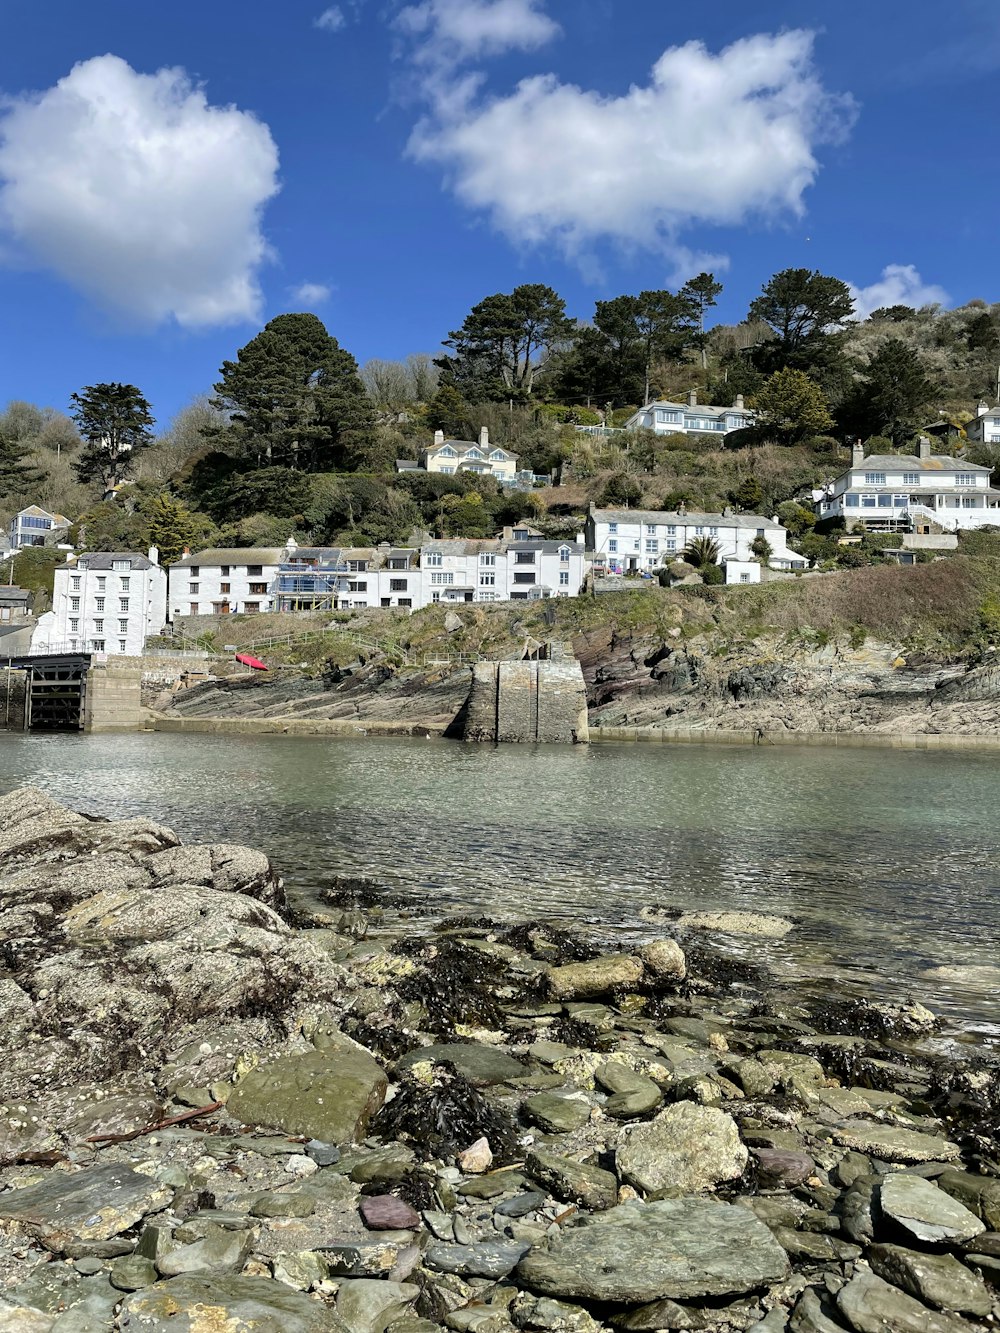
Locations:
{"points": [[249, 661]]}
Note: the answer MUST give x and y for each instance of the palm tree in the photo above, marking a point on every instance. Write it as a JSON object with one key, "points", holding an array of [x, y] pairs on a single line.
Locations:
{"points": [[702, 551]]}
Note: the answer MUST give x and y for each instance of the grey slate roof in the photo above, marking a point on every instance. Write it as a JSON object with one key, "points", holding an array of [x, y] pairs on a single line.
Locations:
{"points": [[908, 463], [234, 555], [105, 560], [672, 516]]}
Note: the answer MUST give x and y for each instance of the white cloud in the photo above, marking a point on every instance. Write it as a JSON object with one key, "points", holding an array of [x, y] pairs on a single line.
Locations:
{"points": [[451, 31], [711, 139], [311, 293], [136, 191], [332, 19], [900, 284]]}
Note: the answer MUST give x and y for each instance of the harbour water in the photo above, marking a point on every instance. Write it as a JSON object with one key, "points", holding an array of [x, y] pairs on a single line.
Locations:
{"points": [[889, 862]]}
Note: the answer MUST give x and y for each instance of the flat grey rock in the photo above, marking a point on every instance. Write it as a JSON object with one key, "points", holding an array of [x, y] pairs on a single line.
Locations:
{"points": [[685, 1148], [677, 1249], [936, 1279], [872, 1306], [925, 1212], [893, 1144], [482, 1065], [185, 1304], [492, 1258], [90, 1205]]}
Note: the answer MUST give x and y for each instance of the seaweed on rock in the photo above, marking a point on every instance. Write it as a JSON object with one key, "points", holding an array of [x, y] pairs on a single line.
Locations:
{"points": [[445, 1116], [546, 940], [456, 986]]}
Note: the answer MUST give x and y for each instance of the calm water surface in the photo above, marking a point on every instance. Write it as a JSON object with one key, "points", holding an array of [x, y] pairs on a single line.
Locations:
{"points": [[889, 862]]}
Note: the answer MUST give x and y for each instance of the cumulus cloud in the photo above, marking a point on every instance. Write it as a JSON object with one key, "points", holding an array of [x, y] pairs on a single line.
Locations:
{"points": [[311, 293], [331, 20], [900, 284], [451, 31], [710, 139], [136, 191]]}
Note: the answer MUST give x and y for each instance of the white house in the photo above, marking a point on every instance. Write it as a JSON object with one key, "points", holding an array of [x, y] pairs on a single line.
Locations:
{"points": [[35, 526], [224, 581], [628, 541], [692, 417], [525, 569], [985, 426], [104, 602], [903, 492], [451, 456]]}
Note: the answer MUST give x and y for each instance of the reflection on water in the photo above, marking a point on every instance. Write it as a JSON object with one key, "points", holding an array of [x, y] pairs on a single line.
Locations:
{"points": [[887, 861]]}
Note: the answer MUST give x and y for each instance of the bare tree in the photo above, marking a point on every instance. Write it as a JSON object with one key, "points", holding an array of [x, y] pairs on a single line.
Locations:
{"points": [[388, 383], [424, 376]]}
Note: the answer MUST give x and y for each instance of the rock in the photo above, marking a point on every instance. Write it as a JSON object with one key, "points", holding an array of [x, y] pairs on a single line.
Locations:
{"points": [[330, 1095], [24, 1319], [664, 960], [132, 1272], [475, 1159], [278, 1203], [892, 1144], [492, 1258], [782, 1167], [872, 1306], [737, 923], [556, 1113], [385, 1212], [366, 1306], [549, 1316], [363, 1258], [213, 1254], [812, 1315], [925, 1212], [632, 1093], [323, 1154], [481, 1065], [813, 1247], [980, 1194], [188, 1304], [684, 1149], [571, 1181], [93, 1204], [300, 1270], [936, 1279], [300, 1166], [856, 1210], [594, 979], [521, 1204], [678, 1248], [452, 622], [493, 1185]]}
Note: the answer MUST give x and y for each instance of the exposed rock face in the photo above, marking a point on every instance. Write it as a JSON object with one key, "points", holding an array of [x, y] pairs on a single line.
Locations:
{"points": [[120, 945]]}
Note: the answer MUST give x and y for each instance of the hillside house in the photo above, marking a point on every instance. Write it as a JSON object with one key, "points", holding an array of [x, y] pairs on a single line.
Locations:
{"points": [[225, 581], [35, 526], [481, 457], [104, 602], [691, 418]]}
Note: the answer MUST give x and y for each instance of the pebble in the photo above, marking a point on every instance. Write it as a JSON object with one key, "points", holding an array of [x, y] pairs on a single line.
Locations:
{"points": [[385, 1212]]}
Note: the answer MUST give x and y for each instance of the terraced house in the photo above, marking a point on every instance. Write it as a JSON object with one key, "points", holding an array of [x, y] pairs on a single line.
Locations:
{"points": [[692, 417]]}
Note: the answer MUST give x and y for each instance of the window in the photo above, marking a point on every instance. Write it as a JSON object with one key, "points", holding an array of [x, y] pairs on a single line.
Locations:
{"points": [[397, 585], [357, 585], [911, 478], [868, 502], [498, 455], [650, 529], [524, 578], [671, 529], [671, 543], [435, 597], [965, 479], [489, 597], [125, 582], [97, 645], [100, 583], [433, 558], [699, 532], [193, 572], [123, 627], [254, 571], [652, 547], [851, 500], [487, 580], [744, 578], [564, 577], [563, 555], [75, 581], [121, 566], [224, 571], [446, 451], [99, 626], [405, 601], [225, 587], [258, 589], [473, 453], [969, 502], [399, 562], [194, 588], [98, 603], [194, 609], [123, 605], [885, 502], [612, 527], [74, 626], [358, 566], [444, 577], [486, 559], [874, 478], [524, 558], [714, 532], [251, 608], [122, 645], [449, 470], [612, 546]]}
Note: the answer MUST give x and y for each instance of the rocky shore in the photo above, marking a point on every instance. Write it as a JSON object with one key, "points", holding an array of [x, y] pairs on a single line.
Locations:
{"points": [[217, 1114]]}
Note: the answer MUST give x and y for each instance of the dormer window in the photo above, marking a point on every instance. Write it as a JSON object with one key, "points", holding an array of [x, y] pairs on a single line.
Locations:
{"points": [[563, 554], [473, 453], [498, 455], [446, 451]]}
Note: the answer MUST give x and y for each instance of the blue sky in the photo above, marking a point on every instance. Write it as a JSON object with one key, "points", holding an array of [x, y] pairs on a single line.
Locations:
{"points": [[172, 176]]}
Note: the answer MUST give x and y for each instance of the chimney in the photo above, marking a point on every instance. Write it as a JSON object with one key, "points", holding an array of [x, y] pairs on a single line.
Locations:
{"points": [[154, 555], [484, 437], [692, 398], [186, 552], [857, 454], [291, 546], [923, 447], [739, 402], [438, 438]]}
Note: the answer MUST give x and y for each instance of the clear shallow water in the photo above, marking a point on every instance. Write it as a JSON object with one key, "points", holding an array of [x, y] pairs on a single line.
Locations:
{"points": [[889, 862]]}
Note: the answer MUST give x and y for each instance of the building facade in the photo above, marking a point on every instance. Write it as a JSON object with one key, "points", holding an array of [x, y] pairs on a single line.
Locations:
{"points": [[524, 569], [911, 493], [34, 526], [481, 457], [692, 417], [631, 541], [225, 581], [104, 602], [985, 426]]}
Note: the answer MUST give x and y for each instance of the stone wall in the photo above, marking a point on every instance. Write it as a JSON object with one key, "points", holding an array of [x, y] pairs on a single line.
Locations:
{"points": [[527, 701], [114, 701], [13, 691]]}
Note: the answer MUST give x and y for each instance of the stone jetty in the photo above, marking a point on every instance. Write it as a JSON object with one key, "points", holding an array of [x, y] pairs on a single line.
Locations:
{"points": [[218, 1111]]}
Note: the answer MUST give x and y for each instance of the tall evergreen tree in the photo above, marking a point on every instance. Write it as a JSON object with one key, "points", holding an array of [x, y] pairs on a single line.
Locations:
{"points": [[17, 473], [701, 291], [890, 395], [503, 342], [294, 397], [116, 422], [807, 312]]}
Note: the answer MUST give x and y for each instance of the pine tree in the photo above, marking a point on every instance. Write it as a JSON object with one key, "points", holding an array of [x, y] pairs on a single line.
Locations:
{"points": [[115, 422], [17, 473]]}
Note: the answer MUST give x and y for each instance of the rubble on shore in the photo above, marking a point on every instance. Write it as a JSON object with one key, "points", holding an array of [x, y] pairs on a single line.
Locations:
{"points": [[217, 1113]]}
